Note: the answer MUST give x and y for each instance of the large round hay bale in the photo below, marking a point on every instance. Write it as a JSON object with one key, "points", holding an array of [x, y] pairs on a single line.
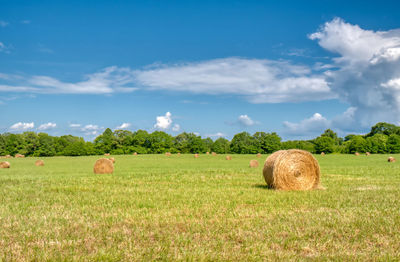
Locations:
{"points": [[228, 158], [103, 166], [196, 155], [253, 163], [19, 156], [39, 163], [167, 153], [259, 155], [391, 159], [112, 159], [292, 169], [356, 154], [4, 164]]}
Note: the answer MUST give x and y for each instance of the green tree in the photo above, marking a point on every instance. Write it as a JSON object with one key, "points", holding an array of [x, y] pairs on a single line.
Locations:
{"points": [[267, 143], [46, 145], [357, 144], [324, 144], [393, 143], [221, 146], [378, 143], [243, 143], [383, 128]]}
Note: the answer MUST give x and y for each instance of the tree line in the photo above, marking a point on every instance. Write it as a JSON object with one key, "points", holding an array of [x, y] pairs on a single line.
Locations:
{"points": [[383, 138]]}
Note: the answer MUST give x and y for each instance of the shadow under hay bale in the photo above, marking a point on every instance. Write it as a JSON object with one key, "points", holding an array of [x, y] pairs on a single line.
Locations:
{"points": [[103, 166], [39, 163], [253, 163], [4, 164], [292, 170]]}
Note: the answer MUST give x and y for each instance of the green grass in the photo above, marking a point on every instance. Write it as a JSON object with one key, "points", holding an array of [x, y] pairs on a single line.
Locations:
{"points": [[180, 208]]}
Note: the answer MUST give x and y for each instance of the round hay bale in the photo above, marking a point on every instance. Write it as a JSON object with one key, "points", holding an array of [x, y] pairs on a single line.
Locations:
{"points": [[259, 155], [228, 158], [103, 166], [112, 159], [391, 159], [356, 154], [253, 163], [167, 153], [292, 169], [367, 153], [8, 156], [107, 154], [19, 156], [213, 153], [322, 153], [39, 163], [4, 164], [196, 155], [207, 153], [179, 154], [135, 154]]}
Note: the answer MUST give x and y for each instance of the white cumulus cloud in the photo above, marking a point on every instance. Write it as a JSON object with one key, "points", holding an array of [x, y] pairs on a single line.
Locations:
{"points": [[47, 126], [246, 120], [124, 126], [22, 126], [316, 124], [163, 122]]}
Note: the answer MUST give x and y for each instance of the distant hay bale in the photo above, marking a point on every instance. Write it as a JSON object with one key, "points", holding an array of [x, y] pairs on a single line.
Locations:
{"points": [[39, 163], [253, 163], [259, 155], [367, 153], [112, 159], [391, 159], [167, 153], [19, 156], [103, 166], [207, 153], [322, 153], [135, 154], [292, 169], [228, 158], [8, 156], [4, 164], [196, 155], [213, 153], [179, 154], [107, 154], [356, 154]]}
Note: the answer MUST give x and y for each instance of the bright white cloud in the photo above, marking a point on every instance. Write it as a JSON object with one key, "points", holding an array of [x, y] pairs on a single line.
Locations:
{"points": [[246, 120], [123, 126], [310, 126], [258, 80], [47, 126], [218, 134], [22, 126], [163, 122], [3, 23], [75, 125], [176, 128], [367, 70]]}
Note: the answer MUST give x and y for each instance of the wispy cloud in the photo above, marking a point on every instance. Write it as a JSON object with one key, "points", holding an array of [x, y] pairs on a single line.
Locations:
{"points": [[310, 126], [25, 22], [4, 48], [123, 126], [47, 126], [3, 23], [20, 126]]}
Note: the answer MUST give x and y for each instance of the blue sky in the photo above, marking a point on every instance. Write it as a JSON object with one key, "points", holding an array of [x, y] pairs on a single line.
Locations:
{"points": [[211, 67]]}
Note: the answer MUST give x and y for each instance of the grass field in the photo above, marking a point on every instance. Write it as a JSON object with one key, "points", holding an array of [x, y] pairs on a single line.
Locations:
{"points": [[156, 207]]}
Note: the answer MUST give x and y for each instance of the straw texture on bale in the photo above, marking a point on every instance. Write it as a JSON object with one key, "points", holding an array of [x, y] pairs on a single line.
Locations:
{"points": [[112, 159], [167, 153], [107, 154], [292, 169], [259, 155], [103, 166], [391, 159], [39, 163], [196, 155], [253, 163], [356, 153], [4, 164], [19, 156], [228, 158]]}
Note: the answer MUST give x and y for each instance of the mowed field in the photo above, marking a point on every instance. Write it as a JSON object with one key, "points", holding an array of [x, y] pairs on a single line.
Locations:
{"points": [[156, 207]]}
